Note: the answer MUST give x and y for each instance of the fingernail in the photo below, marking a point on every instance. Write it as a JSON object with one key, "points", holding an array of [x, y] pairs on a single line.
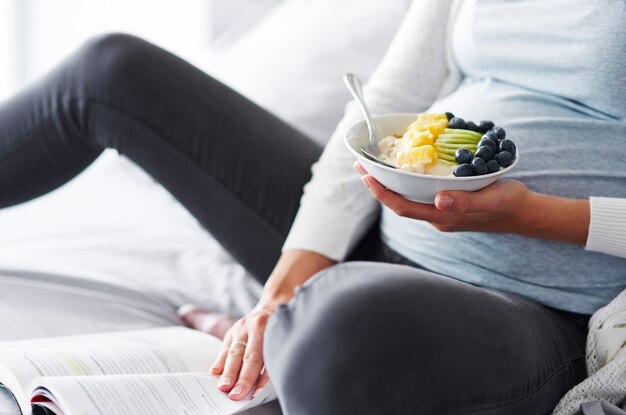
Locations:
{"points": [[236, 390], [226, 381], [365, 182], [445, 201], [256, 392]]}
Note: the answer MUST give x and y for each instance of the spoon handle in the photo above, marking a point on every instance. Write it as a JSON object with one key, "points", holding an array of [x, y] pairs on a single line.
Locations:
{"points": [[355, 87]]}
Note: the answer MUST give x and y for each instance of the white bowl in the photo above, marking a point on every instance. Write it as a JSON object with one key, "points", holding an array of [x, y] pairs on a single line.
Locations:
{"points": [[413, 186]]}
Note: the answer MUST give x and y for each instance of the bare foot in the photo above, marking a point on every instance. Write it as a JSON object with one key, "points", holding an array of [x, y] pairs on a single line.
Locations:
{"points": [[214, 324]]}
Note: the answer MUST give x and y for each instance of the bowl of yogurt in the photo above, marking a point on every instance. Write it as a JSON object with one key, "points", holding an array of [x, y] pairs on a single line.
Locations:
{"points": [[425, 166]]}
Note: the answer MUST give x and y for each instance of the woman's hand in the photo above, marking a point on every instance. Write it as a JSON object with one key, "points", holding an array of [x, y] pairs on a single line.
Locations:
{"points": [[240, 362], [504, 206]]}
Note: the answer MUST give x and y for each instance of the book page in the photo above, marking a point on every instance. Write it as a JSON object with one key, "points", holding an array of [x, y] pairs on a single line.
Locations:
{"points": [[161, 350], [168, 394]]}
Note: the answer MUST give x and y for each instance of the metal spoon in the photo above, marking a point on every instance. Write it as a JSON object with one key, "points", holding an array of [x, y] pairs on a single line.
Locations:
{"points": [[371, 150]]}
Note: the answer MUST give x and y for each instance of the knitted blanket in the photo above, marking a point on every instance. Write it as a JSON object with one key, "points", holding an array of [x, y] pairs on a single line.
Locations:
{"points": [[603, 392]]}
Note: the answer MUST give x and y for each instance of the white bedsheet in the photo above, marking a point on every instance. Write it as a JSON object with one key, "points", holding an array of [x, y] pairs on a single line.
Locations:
{"points": [[111, 250], [114, 224], [43, 305]]}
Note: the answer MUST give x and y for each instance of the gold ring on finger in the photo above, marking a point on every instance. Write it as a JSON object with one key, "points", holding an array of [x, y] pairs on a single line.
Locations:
{"points": [[239, 343], [237, 348]]}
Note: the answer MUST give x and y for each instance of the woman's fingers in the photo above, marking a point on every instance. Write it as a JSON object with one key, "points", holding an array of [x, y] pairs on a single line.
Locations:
{"points": [[500, 207], [234, 361], [359, 168], [261, 383], [240, 361], [218, 366], [251, 368], [505, 195]]}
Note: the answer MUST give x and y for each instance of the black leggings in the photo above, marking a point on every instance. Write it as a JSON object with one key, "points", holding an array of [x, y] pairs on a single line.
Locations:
{"points": [[360, 338], [238, 169]]}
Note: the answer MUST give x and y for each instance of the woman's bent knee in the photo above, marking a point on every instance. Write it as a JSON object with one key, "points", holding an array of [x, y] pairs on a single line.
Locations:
{"points": [[378, 338], [110, 63], [348, 335]]}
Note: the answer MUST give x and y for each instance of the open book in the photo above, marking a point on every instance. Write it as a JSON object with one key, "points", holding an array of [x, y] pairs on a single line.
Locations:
{"points": [[152, 371]]}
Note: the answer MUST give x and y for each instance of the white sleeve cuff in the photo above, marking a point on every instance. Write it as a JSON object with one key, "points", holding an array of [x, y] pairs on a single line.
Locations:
{"points": [[607, 227], [326, 230]]}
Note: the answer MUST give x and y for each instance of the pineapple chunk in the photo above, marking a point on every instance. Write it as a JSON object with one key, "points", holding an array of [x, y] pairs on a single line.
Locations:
{"points": [[417, 138], [416, 158], [414, 151], [437, 127], [434, 123], [429, 118]]}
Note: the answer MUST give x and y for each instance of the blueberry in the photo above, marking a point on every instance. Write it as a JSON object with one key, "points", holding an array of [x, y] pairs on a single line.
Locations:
{"points": [[457, 123], [485, 126], [485, 142], [449, 115], [484, 153], [464, 170], [463, 156], [499, 132], [471, 126], [480, 166], [493, 166], [490, 136], [508, 145], [504, 158]]}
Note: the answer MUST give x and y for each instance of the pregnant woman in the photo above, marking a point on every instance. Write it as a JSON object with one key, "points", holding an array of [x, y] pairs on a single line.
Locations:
{"points": [[478, 304]]}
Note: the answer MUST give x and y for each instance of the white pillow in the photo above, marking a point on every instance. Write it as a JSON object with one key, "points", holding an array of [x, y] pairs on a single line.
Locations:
{"points": [[292, 61]]}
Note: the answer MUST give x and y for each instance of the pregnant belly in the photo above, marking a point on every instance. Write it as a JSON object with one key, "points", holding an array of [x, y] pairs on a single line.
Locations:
{"points": [[564, 150]]}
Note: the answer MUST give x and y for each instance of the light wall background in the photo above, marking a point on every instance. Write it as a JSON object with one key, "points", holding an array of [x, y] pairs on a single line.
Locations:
{"points": [[37, 34]]}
